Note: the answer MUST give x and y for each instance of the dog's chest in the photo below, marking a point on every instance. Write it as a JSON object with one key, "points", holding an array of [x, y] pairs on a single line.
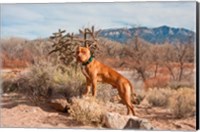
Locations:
{"points": [[85, 72]]}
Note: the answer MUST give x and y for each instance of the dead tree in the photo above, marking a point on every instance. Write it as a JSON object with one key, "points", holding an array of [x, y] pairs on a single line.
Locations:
{"points": [[137, 51], [182, 51], [169, 59], [175, 58], [155, 54]]}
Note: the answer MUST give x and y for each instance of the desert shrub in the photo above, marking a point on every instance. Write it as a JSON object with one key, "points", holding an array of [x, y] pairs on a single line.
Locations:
{"points": [[159, 97], [19, 53], [105, 92], [45, 79], [69, 82], [176, 84], [156, 82], [182, 103], [9, 86], [59, 78], [139, 97], [87, 110], [40, 79]]}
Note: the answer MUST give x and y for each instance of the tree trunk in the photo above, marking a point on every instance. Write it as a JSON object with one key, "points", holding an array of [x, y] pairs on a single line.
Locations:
{"points": [[156, 70], [171, 71], [181, 71]]}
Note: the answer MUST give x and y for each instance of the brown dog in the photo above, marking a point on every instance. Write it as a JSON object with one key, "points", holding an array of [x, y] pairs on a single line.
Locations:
{"points": [[95, 71]]}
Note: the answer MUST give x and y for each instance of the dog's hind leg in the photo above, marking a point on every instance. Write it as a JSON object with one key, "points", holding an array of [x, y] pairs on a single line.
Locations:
{"points": [[130, 108], [126, 97]]}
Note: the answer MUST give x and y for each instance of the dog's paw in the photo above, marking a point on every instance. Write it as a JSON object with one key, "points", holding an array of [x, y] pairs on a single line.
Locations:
{"points": [[84, 96]]}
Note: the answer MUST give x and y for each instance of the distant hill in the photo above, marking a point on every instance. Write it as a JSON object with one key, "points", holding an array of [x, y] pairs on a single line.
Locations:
{"points": [[153, 35]]}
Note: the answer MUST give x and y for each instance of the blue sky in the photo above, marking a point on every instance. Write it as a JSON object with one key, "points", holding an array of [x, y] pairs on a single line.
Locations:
{"points": [[33, 21]]}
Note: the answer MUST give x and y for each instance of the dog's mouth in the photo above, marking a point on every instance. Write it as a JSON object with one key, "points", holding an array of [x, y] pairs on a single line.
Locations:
{"points": [[78, 58]]}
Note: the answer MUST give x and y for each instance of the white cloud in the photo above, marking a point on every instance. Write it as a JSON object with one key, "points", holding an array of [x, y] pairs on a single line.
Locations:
{"points": [[20, 13], [40, 20]]}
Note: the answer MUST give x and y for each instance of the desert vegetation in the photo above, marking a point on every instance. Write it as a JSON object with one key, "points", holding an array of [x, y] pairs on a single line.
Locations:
{"points": [[166, 72]]}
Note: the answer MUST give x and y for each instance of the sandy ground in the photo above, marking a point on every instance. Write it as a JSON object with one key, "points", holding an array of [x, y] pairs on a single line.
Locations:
{"points": [[18, 111]]}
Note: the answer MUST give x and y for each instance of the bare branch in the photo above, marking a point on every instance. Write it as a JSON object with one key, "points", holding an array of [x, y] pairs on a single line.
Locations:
{"points": [[65, 44]]}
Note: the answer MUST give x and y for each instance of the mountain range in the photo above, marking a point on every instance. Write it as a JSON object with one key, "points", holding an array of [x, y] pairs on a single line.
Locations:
{"points": [[156, 35]]}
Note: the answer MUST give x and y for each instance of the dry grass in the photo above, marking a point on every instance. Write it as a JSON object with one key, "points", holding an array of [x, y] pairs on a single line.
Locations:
{"points": [[159, 97], [45, 79], [139, 97], [182, 103], [176, 84], [105, 92], [9, 86], [158, 82], [87, 110]]}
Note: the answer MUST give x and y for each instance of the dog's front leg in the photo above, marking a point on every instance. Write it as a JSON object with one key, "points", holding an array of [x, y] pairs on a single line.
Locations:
{"points": [[88, 86], [94, 87]]}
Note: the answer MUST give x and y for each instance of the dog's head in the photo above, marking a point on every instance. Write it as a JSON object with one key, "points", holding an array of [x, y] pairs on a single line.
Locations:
{"points": [[83, 54]]}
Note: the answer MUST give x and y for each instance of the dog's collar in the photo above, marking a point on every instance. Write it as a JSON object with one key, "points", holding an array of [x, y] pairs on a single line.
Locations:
{"points": [[89, 60]]}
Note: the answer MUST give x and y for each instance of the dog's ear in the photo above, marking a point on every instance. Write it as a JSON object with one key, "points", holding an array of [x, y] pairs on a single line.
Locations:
{"points": [[77, 48]]}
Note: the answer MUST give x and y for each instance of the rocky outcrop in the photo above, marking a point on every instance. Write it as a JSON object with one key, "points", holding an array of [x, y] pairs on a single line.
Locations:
{"points": [[117, 121]]}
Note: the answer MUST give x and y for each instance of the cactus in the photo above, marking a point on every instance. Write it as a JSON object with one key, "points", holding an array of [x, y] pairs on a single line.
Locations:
{"points": [[65, 44]]}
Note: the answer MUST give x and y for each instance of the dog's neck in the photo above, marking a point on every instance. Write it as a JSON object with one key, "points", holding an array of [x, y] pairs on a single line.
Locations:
{"points": [[88, 61]]}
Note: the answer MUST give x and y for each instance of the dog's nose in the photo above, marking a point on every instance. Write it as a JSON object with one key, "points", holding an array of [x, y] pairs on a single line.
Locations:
{"points": [[78, 58]]}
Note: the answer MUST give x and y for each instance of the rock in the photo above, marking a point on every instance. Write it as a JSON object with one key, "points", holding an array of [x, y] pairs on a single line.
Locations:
{"points": [[132, 124], [138, 124], [5, 95], [114, 120], [117, 121], [59, 103]]}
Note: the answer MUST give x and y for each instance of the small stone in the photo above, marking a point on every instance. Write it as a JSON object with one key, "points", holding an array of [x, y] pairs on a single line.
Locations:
{"points": [[5, 95]]}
